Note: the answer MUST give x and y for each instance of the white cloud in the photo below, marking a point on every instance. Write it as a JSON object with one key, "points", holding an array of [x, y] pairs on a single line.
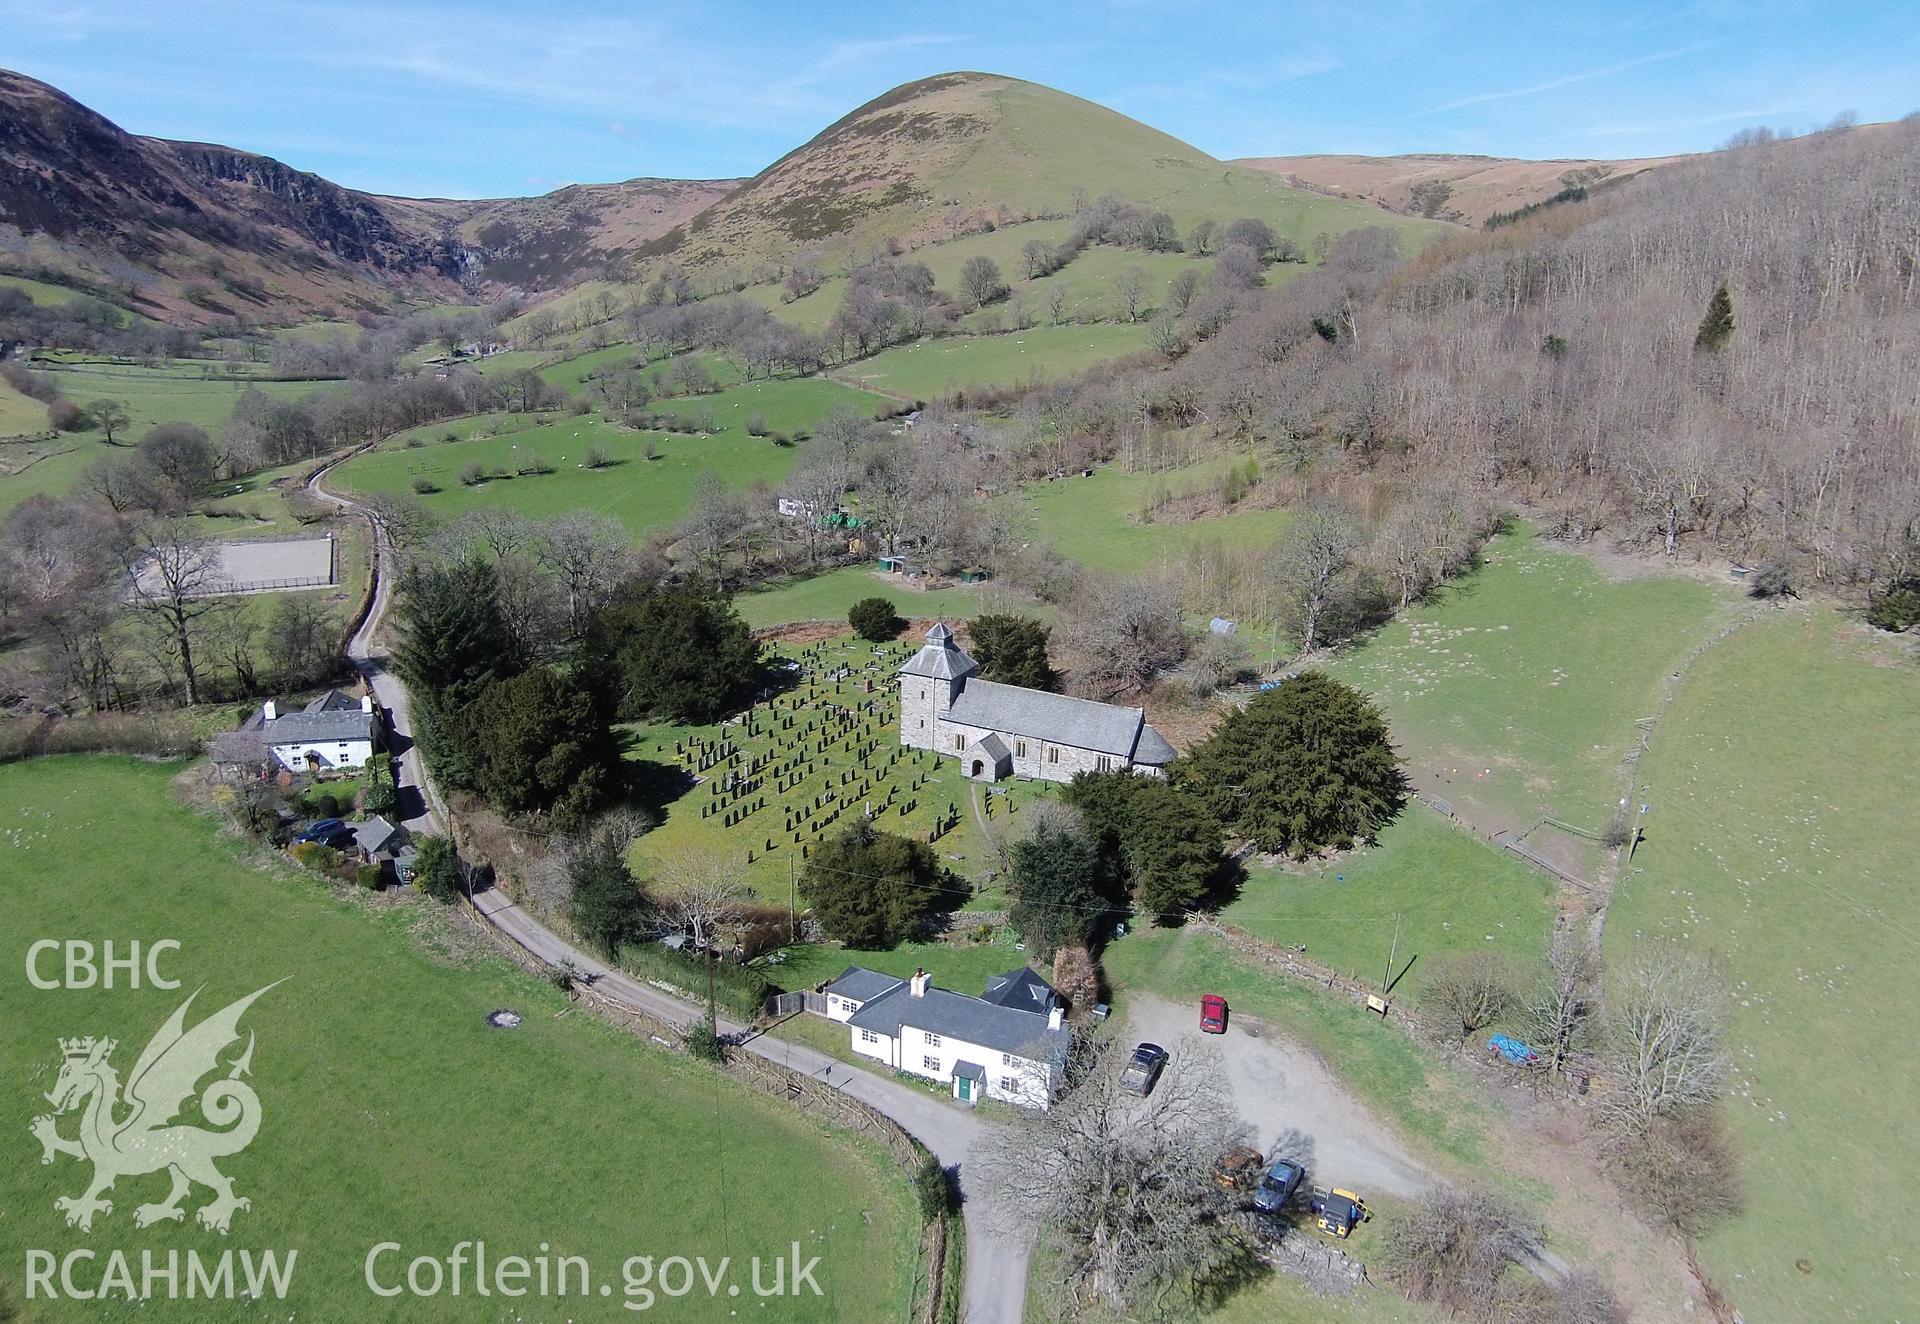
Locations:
{"points": [[1568, 80]]}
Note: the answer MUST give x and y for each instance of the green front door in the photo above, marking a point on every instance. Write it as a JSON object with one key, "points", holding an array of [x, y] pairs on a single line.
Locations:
{"points": [[966, 1089]]}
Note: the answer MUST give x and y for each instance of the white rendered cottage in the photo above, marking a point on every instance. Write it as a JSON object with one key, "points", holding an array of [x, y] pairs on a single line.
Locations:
{"points": [[334, 731], [1009, 731], [1008, 1045]]}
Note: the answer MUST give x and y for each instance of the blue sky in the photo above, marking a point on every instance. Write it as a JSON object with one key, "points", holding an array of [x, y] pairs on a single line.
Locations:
{"points": [[470, 98]]}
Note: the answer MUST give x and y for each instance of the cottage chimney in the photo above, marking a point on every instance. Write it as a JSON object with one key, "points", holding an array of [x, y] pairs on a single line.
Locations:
{"points": [[269, 710], [366, 702], [1056, 1017], [917, 986]]}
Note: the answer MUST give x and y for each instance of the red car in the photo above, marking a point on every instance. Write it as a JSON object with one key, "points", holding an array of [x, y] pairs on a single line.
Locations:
{"points": [[1213, 1014]]}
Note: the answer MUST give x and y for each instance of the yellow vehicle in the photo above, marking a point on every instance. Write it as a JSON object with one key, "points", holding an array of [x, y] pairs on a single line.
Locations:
{"points": [[1338, 1211]]}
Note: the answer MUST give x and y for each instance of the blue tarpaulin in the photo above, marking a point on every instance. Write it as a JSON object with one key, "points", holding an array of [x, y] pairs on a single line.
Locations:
{"points": [[1513, 1050]]}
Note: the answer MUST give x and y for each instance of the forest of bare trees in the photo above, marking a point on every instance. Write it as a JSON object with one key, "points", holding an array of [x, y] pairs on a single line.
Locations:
{"points": [[1560, 361]]}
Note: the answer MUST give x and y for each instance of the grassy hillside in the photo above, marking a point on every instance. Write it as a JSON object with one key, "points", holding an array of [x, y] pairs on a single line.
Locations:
{"points": [[923, 369], [911, 162], [1781, 843], [390, 1110], [1514, 693]]}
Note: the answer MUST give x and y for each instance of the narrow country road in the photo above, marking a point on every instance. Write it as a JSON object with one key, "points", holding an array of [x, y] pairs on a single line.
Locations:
{"points": [[996, 1276]]}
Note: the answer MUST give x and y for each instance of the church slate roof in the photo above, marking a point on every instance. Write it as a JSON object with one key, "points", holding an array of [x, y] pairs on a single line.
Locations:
{"points": [[1101, 727], [941, 659], [992, 746], [1153, 749]]}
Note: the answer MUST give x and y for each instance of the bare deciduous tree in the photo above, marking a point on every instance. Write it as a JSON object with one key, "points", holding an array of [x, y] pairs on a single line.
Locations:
{"points": [[171, 574], [1668, 1013], [1133, 292], [1556, 1007], [1316, 548], [1126, 633], [1473, 988], [1124, 1187], [1454, 1246], [587, 556]]}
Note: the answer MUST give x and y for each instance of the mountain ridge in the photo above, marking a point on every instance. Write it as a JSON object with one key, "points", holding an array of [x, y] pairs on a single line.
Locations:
{"points": [[196, 233]]}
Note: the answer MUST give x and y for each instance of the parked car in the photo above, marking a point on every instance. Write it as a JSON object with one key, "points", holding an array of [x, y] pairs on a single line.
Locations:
{"points": [[1213, 1014], [1277, 1186], [1236, 1169], [1143, 1069], [326, 831]]}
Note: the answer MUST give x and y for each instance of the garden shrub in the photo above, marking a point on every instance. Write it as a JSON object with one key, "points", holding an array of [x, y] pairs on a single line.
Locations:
{"points": [[875, 619]]}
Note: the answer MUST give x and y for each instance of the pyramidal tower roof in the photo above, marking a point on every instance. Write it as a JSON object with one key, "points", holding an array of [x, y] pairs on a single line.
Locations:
{"points": [[940, 658]]}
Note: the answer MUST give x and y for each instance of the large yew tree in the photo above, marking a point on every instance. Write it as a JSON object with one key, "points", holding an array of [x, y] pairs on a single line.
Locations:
{"points": [[1300, 768]]}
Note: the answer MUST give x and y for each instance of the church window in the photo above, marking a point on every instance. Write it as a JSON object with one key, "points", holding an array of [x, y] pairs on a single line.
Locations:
{"points": [[1020, 748], [1053, 754], [959, 742], [1105, 764]]}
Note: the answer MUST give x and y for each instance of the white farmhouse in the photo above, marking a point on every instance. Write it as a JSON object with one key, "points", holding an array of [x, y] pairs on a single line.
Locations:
{"points": [[1007, 730], [1008, 1045], [334, 731]]}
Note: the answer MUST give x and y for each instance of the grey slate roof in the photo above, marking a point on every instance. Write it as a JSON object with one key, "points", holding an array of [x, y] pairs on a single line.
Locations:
{"points": [[1104, 728], [317, 728], [992, 746], [957, 1016], [860, 984], [374, 834], [970, 1070], [941, 658], [333, 701], [1023, 989], [242, 746], [1153, 749]]}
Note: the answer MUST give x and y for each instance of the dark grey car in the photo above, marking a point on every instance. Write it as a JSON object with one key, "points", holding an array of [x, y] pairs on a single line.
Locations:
{"points": [[1143, 1069]]}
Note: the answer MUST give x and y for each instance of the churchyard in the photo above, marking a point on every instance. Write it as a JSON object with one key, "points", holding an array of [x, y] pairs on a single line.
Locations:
{"points": [[757, 790]]}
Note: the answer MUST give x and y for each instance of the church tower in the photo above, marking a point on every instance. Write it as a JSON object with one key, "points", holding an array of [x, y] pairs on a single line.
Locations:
{"points": [[929, 683]]}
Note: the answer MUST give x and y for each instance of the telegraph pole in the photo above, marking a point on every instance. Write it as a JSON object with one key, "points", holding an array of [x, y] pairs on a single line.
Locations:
{"points": [[1386, 980]]}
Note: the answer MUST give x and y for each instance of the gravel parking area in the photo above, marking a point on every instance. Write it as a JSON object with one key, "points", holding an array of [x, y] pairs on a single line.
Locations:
{"points": [[1287, 1097]]}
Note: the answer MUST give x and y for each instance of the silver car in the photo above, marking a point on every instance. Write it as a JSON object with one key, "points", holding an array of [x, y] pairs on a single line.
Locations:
{"points": [[1143, 1069]]}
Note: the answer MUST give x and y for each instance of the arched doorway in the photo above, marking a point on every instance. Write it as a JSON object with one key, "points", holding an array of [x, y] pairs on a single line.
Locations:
{"points": [[978, 768]]}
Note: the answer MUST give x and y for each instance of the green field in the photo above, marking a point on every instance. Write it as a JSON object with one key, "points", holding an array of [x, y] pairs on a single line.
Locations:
{"points": [[20, 414], [50, 467], [645, 495], [40, 291], [171, 393], [1514, 693], [1782, 842], [576, 374], [175, 392], [1100, 523], [390, 1111], [849, 768], [1447, 892], [923, 369], [827, 597]]}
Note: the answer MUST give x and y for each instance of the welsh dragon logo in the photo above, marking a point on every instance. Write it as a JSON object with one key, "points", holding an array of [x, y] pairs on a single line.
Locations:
{"points": [[127, 1135]]}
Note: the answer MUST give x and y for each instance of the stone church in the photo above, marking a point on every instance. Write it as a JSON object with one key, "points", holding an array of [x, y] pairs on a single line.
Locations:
{"points": [[1008, 731]]}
